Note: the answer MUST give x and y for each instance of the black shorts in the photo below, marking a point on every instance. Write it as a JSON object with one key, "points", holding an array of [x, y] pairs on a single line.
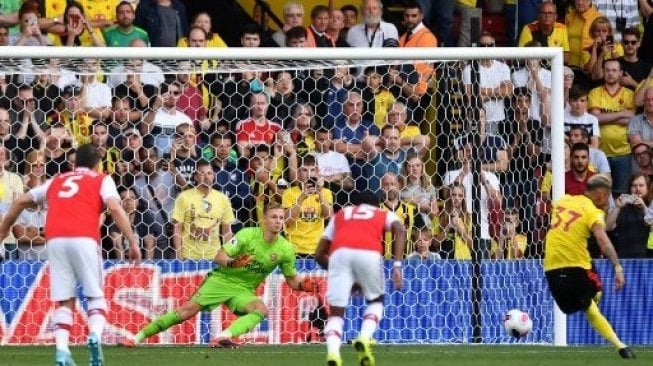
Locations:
{"points": [[573, 288]]}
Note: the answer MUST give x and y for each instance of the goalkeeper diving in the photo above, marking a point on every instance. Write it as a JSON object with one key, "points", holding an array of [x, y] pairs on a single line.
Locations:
{"points": [[243, 264]]}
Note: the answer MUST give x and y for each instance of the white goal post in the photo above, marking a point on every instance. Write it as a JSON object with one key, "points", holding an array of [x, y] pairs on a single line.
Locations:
{"points": [[354, 56]]}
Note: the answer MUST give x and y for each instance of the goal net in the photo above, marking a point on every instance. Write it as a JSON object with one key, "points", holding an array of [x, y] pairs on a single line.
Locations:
{"points": [[459, 143]]}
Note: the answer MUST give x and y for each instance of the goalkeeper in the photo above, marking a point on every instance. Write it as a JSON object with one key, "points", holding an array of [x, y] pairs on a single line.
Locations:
{"points": [[244, 263]]}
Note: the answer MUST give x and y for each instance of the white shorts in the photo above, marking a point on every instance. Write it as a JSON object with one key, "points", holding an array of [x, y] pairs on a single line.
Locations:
{"points": [[72, 261], [349, 266]]}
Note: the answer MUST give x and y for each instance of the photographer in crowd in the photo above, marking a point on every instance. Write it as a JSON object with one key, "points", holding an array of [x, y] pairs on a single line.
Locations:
{"points": [[625, 222]]}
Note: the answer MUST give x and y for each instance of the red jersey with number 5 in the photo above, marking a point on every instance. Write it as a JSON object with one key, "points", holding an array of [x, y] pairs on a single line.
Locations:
{"points": [[359, 227], [75, 203]]}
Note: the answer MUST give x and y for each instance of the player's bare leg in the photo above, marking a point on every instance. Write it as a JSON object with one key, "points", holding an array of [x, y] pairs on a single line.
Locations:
{"points": [[333, 334], [63, 323], [256, 312], [187, 311], [97, 319]]}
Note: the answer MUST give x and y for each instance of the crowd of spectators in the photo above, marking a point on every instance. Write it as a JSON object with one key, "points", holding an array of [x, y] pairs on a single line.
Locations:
{"points": [[197, 154]]}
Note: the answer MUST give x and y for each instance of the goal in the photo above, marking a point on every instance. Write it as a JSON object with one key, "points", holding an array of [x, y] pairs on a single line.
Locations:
{"points": [[420, 127]]}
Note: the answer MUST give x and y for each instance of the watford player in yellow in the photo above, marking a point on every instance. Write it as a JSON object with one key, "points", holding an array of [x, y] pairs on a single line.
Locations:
{"points": [[567, 263]]}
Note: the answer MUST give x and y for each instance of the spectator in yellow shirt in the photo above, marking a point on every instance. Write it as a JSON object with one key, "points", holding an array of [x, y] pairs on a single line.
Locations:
{"points": [[202, 217], [203, 20], [578, 23]]}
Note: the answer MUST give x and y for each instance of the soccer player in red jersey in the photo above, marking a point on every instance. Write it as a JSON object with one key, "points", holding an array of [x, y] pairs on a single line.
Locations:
{"points": [[352, 249], [76, 201]]}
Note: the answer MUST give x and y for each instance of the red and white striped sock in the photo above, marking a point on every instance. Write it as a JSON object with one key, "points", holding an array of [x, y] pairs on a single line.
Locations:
{"points": [[371, 318], [333, 334], [97, 315], [63, 323]]}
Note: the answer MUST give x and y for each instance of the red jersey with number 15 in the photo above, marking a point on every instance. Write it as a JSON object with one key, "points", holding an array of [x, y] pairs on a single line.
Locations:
{"points": [[359, 227], [75, 203]]}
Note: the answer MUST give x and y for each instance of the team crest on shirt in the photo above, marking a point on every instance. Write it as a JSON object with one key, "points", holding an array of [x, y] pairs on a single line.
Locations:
{"points": [[231, 243], [274, 257]]}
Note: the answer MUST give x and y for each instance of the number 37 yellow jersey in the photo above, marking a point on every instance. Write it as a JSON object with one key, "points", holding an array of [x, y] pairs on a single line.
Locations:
{"points": [[572, 219]]}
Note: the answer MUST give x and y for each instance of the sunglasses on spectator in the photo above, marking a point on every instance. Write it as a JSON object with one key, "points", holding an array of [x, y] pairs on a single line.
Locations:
{"points": [[486, 44], [632, 43], [174, 92]]}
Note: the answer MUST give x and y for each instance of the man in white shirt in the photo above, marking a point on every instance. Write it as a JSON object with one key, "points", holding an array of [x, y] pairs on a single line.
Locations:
{"points": [[494, 86], [164, 117], [333, 167], [538, 81], [490, 190], [373, 31]]}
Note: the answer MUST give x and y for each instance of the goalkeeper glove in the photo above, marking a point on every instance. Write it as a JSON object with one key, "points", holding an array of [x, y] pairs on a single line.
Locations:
{"points": [[308, 285], [240, 261]]}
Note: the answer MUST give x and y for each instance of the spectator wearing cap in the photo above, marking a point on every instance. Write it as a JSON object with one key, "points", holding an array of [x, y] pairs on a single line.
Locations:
{"points": [[418, 35], [164, 117], [373, 31], [643, 159]]}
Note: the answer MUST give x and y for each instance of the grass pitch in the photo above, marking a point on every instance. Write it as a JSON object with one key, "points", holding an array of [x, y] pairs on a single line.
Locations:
{"points": [[390, 355]]}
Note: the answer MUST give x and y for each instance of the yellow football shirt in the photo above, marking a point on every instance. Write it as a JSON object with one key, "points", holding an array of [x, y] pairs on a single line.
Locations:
{"points": [[572, 219], [93, 9], [79, 126], [305, 232], [614, 138], [406, 213], [519, 239], [216, 41], [201, 217], [382, 102]]}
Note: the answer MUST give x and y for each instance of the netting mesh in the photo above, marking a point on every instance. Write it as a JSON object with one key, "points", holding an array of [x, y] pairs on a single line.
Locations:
{"points": [[305, 134]]}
